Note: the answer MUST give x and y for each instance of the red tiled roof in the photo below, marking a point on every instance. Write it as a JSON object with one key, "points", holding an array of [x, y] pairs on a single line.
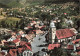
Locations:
{"points": [[70, 47], [65, 13], [64, 33], [28, 47], [34, 30], [3, 53], [22, 43], [77, 40], [39, 31], [20, 50], [26, 44], [78, 53], [33, 21], [52, 46], [40, 26], [13, 52], [24, 48], [78, 48], [19, 36], [28, 37], [43, 26], [16, 40], [11, 46], [29, 27]]}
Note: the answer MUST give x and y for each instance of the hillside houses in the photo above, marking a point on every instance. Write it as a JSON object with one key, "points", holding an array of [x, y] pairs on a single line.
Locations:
{"points": [[22, 40], [14, 42]]}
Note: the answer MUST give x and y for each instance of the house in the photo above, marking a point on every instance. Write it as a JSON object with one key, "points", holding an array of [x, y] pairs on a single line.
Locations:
{"points": [[3, 42], [5, 51], [38, 32], [27, 53], [29, 37], [32, 23], [18, 36], [12, 38], [38, 22], [76, 44], [2, 53], [4, 31], [24, 39], [16, 41], [13, 52], [52, 46], [4, 13], [40, 27], [70, 47], [21, 32], [78, 53], [27, 45], [74, 30], [13, 33], [28, 27], [9, 44], [65, 35], [20, 51], [61, 35]]}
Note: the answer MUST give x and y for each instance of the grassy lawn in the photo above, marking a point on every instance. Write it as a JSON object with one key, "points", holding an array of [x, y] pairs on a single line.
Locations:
{"points": [[10, 21], [13, 19]]}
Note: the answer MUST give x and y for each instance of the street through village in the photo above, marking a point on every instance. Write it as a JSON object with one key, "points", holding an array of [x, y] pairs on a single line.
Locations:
{"points": [[37, 41]]}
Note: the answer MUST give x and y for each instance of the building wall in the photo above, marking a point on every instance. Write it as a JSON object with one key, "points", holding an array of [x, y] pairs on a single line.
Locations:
{"points": [[27, 53]]}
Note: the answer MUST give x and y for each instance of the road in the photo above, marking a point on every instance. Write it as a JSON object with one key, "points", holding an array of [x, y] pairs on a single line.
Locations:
{"points": [[38, 40]]}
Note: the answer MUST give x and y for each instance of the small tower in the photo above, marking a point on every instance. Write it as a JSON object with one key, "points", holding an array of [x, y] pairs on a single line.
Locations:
{"points": [[52, 31]]}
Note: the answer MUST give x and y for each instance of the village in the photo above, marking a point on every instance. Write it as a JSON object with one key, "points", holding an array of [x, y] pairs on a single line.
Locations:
{"points": [[40, 30]]}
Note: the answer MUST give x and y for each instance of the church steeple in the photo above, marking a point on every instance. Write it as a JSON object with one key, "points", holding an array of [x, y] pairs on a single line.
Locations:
{"points": [[53, 31]]}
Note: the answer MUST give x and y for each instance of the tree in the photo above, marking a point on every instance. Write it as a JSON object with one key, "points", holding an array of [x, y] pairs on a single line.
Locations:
{"points": [[17, 25], [58, 52], [21, 24], [3, 23]]}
